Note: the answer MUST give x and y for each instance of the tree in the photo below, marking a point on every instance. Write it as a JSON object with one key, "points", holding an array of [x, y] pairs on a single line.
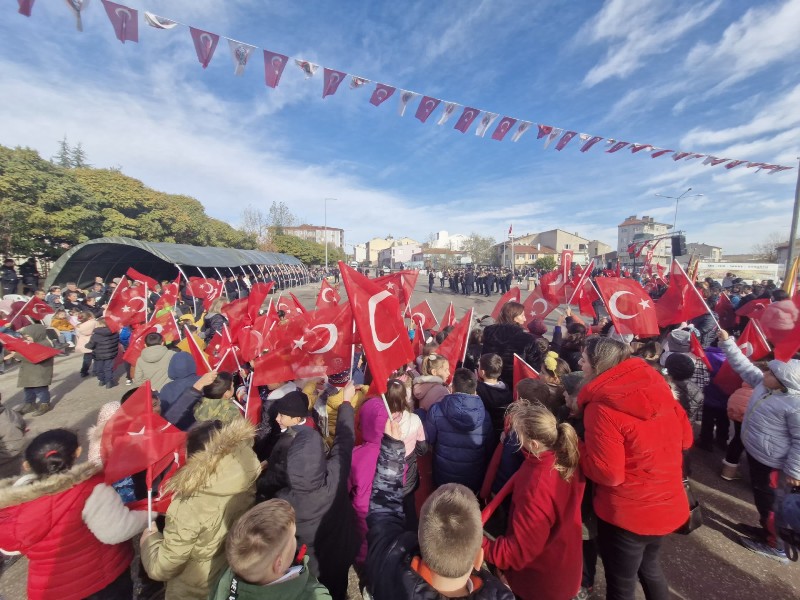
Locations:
{"points": [[256, 224], [280, 216], [546, 263], [479, 248], [63, 157], [767, 250], [78, 157]]}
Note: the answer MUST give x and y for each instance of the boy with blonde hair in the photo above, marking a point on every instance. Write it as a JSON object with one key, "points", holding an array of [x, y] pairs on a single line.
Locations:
{"points": [[261, 551]]}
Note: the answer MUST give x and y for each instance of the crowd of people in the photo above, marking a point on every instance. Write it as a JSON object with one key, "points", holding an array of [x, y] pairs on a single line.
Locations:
{"points": [[472, 483]]}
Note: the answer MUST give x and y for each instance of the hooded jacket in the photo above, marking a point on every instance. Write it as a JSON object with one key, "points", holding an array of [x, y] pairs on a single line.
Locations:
{"points": [[460, 431], [771, 425], [302, 587], [428, 390], [153, 364], [635, 435], [495, 398], [72, 528], [213, 489], [182, 373], [35, 374], [507, 339], [318, 492], [393, 550], [365, 459], [541, 551], [103, 343], [83, 332]]}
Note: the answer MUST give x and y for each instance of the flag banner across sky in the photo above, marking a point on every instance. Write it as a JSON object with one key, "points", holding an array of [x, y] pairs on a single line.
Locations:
{"points": [[125, 23]]}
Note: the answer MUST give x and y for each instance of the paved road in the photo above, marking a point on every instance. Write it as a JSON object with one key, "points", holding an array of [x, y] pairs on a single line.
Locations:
{"points": [[709, 563]]}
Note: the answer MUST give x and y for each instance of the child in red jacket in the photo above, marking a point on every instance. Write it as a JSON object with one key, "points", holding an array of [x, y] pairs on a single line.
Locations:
{"points": [[541, 551]]}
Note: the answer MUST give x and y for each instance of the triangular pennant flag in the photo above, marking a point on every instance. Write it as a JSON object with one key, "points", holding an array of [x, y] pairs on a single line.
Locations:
{"points": [[589, 141], [554, 133], [486, 121], [565, 139], [503, 127], [274, 64], [697, 349], [205, 43], [25, 7], [381, 94], [544, 130], [331, 81], [449, 109], [659, 152], [357, 82], [521, 129], [639, 147], [158, 22], [405, 98], [124, 20], [426, 106], [308, 68], [468, 115], [240, 53], [616, 147], [522, 370]]}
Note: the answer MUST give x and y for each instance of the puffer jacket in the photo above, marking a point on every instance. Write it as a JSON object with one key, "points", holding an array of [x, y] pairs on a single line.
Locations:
{"points": [[304, 586], [771, 425], [35, 374], [507, 339], [318, 492], [737, 403], [72, 528], [373, 418], [213, 489], [182, 373], [104, 344], [460, 431], [428, 390], [83, 332], [153, 364], [392, 566], [636, 433]]}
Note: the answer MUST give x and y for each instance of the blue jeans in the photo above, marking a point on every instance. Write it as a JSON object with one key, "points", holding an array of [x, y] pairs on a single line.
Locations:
{"points": [[40, 394]]}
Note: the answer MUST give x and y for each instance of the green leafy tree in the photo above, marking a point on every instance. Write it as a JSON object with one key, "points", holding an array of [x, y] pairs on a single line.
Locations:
{"points": [[546, 263], [63, 157], [479, 248]]}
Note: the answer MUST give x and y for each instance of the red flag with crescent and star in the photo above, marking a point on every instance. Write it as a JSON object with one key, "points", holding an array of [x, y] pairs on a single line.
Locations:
{"points": [[449, 317], [36, 309], [380, 325], [400, 284], [681, 302], [32, 351], [126, 307], [552, 286], [752, 342], [310, 345], [207, 290], [328, 296], [422, 312], [537, 306], [512, 295], [629, 306], [522, 370], [164, 324], [454, 347]]}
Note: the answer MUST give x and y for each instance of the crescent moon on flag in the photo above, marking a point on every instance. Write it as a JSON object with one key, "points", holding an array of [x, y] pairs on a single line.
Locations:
{"points": [[422, 318], [372, 305], [260, 337], [560, 279], [534, 312], [284, 307], [37, 310], [124, 13], [130, 305], [208, 291], [747, 349], [325, 297], [333, 337], [612, 305]]}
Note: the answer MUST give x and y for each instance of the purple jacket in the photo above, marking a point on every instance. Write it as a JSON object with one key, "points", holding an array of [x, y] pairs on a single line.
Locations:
{"points": [[372, 416]]}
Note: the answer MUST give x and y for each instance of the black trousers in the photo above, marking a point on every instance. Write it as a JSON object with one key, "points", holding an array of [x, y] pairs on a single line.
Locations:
{"points": [[735, 446], [104, 370], [119, 589], [765, 481], [630, 558], [86, 364], [714, 418]]}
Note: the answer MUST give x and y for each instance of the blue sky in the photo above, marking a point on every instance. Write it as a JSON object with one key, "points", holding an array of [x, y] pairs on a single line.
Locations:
{"points": [[706, 76]]}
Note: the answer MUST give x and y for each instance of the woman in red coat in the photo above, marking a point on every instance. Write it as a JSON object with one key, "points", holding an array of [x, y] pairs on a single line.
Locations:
{"points": [[540, 554], [70, 525], [635, 435]]}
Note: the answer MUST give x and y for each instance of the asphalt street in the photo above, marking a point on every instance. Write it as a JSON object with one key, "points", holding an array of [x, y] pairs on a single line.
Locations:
{"points": [[709, 563]]}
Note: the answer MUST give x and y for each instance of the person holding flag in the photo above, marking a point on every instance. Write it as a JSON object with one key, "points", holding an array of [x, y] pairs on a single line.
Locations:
{"points": [[36, 369]]}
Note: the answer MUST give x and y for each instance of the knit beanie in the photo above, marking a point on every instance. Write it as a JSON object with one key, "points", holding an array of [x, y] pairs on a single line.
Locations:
{"points": [[679, 340], [293, 404], [537, 327], [680, 366]]}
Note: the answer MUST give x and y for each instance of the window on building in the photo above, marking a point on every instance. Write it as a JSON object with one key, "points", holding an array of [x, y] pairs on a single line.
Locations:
{"points": [[567, 246], [582, 246]]}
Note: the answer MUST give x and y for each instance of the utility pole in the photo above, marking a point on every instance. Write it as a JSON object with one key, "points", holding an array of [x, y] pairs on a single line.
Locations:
{"points": [[793, 228]]}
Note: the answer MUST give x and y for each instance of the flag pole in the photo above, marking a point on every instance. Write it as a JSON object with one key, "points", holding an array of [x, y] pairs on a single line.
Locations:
{"points": [[230, 341], [760, 333], [220, 361], [793, 229], [697, 293]]}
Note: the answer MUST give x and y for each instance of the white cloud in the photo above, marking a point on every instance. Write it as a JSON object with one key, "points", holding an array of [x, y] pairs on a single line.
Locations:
{"points": [[635, 30]]}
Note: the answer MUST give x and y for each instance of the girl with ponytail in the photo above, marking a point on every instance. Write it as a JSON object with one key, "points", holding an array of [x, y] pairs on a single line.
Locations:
{"points": [[541, 551]]}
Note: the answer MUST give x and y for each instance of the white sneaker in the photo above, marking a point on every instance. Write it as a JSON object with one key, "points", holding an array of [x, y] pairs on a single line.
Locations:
{"points": [[70, 345], [129, 382]]}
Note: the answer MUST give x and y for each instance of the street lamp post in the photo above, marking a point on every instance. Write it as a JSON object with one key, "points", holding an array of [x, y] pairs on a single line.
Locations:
{"points": [[678, 199], [325, 229]]}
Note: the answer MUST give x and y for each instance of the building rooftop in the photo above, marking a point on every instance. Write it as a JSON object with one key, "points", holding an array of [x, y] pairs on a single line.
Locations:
{"points": [[634, 220], [305, 227]]}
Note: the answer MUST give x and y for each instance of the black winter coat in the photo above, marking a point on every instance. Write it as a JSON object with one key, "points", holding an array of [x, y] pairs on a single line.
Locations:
{"points": [[507, 339], [391, 548], [318, 493], [103, 344], [495, 400]]}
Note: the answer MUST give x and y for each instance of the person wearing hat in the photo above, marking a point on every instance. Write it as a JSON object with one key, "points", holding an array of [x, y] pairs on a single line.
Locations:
{"points": [[680, 369], [771, 437], [292, 412]]}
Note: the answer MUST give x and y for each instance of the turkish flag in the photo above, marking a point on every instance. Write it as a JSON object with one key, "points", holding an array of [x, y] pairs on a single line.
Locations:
{"points": [[291, 306], [726, 312], [141, 278], [310, 345], [419, 337], [522, 370], [566, 264], [253, 404], [236, 313], [331, 81], [454, 347], [328, 296], [512, 295], [207, 290], [36, 309], [380, 325], [752, 342], [200, 359], [682, 301], [537, 306], [697, 349], [780, 322], [255, 300], [466, 119], [586, 296], [205, 43], [32, 351], [552, 286], [126, 307], [164, 324], [124, 20], [169, 295], [503, 127], [400, 284], [381, 94], [422, 312], [630, 308], [753, 309], [136, 439], [449, 317], [25, 7], [426, 106], [274, 64]]}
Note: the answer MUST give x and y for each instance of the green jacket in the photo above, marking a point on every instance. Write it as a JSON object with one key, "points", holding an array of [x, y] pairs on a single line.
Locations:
{"points": [[213, 489], [303, 587], [220, 409], [35, 374]]}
